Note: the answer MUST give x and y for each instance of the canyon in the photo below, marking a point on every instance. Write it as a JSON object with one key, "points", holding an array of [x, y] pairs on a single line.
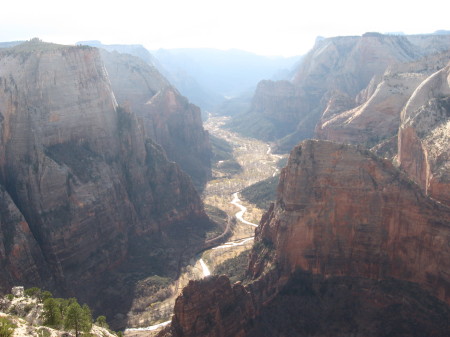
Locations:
{"points": [[335, 76], [348, 231], [89, 201], [355, 244], [102, 162]]}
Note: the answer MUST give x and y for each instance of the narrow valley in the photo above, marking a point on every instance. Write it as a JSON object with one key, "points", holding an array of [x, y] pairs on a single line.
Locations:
{"points": [[256, 163]]}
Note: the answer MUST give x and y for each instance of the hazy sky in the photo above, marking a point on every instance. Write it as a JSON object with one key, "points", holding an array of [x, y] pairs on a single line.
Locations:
{"points": [[276, 27]]}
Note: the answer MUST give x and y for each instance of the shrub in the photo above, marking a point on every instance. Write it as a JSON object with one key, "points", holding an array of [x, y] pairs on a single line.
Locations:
{"points": [[43, 332], [33, 292], [101, 321], [6, 327]]}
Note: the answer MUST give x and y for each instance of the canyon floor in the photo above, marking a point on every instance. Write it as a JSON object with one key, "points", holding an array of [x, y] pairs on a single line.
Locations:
{"points": [[256, 163]]}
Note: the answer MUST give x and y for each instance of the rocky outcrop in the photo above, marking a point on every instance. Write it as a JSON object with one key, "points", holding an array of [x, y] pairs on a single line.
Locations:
{"points": [[84, 192], [351, 247], [165, 116], [377, 117], [20, 255], [212, 307], [342, 66], [342, 211], [274, 107], [424, 136]]}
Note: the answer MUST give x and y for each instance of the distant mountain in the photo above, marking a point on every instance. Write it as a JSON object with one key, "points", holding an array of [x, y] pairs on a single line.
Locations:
{"points": [[222, 74], [10, 44], [132, 49], [336, 68], [442, 32], [168, 117]]}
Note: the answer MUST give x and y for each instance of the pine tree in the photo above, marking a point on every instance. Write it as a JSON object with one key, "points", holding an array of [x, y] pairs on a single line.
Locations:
{"points": [[101, 321], [52, 313], [78, 318]]}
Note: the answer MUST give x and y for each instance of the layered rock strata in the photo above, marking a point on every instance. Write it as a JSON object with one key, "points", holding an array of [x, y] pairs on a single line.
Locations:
{"points": [[165, 116], [84, 191], [342, 66], [343, 211], [350, 238], [376, 118], [424, 136]]}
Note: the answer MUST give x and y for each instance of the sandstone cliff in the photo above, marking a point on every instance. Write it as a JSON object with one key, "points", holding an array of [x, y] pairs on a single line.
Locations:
{"points": [[376, 119], [166, 116], [84, 191], [351, 247], [342, 211], [340, 65], [424, 136], [213, 301]]}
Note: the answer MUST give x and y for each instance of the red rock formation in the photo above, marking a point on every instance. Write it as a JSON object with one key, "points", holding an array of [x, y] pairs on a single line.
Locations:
{"points": [[84, 189], [342, 211], [347, 65], [212, 307], [424, 136], [351, 246]]}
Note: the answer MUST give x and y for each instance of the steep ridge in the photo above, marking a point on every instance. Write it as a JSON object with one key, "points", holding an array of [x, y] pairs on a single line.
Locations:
{"points": [[343, 211], [351, 246], [85, 193], [339, 65], [376, 119], [424, 136], [166, 116]]}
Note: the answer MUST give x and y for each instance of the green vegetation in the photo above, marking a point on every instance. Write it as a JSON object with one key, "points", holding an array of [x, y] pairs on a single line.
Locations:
{"points": [[262, 193], [56, 313], [6, 327], [67, 313], [223, 156], [53, 312], [43, 332], [101, 321], [235, 267], [78, 318], [35, 292]]}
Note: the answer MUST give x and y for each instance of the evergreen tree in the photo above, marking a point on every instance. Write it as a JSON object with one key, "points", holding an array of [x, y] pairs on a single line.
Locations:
{"points": [[78, 318], [101, 321], [52, 313]]}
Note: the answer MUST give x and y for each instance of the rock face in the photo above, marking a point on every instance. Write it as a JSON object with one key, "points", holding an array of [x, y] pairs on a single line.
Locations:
{"points": [[376, 119], [342, 66], [342, 211], [166, 116], [261, 121], [212, 307], [424, 136], [82, 186], [351, 247]]}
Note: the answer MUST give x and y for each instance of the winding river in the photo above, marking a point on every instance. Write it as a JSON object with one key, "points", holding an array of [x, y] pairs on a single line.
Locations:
{"points": [[205, 270], [258, 163]]}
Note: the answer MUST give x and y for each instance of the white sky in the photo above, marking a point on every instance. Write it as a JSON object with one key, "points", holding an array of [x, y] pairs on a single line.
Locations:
{"points": [[276, 27]]}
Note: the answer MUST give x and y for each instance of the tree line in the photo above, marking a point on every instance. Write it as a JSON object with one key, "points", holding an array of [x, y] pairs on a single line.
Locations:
{"points": [[67, 314]]}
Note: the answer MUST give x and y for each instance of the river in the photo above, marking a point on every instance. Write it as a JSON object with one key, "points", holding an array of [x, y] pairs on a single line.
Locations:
{"points": [[258, 163]]}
